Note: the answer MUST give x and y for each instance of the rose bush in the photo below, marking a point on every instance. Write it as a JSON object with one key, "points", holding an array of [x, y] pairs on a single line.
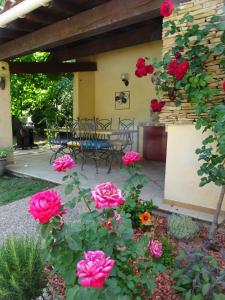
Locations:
{"points": [[183, 75], [102, 234]]}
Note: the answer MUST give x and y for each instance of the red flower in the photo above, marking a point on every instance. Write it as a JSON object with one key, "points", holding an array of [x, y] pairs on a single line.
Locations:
{"points": [[166, 8], [177, 54], [140, 72], [140, 62], [149, 69], [182, 70], [172, 67], [156, 106], [224, 86]]}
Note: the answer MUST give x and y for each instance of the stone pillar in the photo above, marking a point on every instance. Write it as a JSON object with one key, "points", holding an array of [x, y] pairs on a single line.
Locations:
{"points": [[6, 138]]}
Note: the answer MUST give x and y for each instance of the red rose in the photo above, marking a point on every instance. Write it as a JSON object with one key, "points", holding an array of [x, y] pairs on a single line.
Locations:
{"points": [[140, 72], [137, 74], [140, 62], [172, 66], [156, 106], [224, 86], [181, 70], [177, 54], [149, 69], [166, 8]]}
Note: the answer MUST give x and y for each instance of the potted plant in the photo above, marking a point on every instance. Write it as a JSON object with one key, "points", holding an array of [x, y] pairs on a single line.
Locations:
{"points": [[4, 152]]}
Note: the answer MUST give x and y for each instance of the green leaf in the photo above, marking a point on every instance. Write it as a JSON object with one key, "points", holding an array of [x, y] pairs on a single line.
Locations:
{"points": [[206, 289], [68, 188], [221, 26], [218, 49], [176, 274], [223, 38]]}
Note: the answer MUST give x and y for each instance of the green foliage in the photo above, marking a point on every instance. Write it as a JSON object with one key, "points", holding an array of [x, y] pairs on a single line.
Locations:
{"points": [[198, 277], [210, 117], [134, 205], [139, 208], [167, 258], [4, 152], [41, 96], [64, 246], [21, 269], [182, 227]]}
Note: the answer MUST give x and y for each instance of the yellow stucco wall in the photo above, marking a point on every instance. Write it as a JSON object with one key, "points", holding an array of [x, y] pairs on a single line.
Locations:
{"points": [[5, 110], [84, 95], [182, 181], [95, 91], [107, 81]]}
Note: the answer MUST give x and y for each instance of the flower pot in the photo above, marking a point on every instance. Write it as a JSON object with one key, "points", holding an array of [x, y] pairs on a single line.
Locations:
{"points": [[2, 166]]}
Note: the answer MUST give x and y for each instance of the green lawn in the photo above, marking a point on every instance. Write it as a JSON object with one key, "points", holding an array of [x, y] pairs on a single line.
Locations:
{"points": [[15, 188]]}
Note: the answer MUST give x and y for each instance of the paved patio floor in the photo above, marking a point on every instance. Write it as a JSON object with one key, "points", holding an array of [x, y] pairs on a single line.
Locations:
{"points": [[35, 163]]}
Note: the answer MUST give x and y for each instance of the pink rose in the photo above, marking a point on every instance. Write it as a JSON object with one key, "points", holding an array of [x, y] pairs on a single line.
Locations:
{"points": [[130, 158], [106, 195], [94, 269], [63, 163], [155, 248], [44, 205], [166, 8]]}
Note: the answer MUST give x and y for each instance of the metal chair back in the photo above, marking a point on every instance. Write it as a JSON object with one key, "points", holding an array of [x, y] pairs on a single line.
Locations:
{"points": [[103, 123]]}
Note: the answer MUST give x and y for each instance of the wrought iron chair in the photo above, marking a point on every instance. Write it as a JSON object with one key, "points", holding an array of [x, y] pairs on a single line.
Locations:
{"points": [[103, 123], [74, 136], [91, 147], [124, 140], [56, 140]]}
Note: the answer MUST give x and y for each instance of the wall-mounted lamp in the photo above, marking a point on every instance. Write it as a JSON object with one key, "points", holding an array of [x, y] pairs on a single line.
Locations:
{"points": [[125, 78], [2, 82]]}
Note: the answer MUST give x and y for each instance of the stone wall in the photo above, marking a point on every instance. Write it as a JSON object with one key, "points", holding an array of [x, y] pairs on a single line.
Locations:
{"points": [[202, 10]]}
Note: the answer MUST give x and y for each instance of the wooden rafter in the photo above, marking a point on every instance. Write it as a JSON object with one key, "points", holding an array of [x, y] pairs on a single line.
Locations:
{"points": [[103, 18], [50, 67], [150, 31]]}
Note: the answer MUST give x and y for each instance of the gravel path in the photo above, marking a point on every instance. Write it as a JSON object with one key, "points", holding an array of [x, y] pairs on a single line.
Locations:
{"points": [[15, 220]]}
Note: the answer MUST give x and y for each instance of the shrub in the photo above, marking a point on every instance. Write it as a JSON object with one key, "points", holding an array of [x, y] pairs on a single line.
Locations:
{"points": [[198, 277], [167, 258], [182, 227], [95, 253], [21, 269]]}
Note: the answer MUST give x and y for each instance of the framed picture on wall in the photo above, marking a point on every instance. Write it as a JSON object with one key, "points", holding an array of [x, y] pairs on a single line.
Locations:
{"points": [[122, 100]]}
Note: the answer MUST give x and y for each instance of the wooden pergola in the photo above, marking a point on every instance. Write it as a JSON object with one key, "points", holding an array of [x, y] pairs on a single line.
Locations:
{"points": [[72, 29]]}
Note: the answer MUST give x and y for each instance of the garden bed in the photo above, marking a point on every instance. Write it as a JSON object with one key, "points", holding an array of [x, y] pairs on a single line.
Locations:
{"points": [[164, 281]]}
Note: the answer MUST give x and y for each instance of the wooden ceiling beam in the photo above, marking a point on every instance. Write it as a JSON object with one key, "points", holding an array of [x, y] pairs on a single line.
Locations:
{"points": [[151, 31], [103, 18], [50, 67]]}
